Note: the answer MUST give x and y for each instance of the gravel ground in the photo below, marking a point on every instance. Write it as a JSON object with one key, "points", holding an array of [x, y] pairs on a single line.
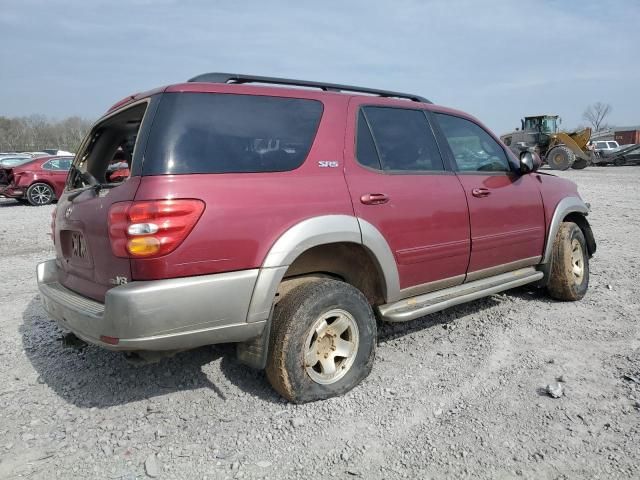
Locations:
{"points": [[459, 393]]}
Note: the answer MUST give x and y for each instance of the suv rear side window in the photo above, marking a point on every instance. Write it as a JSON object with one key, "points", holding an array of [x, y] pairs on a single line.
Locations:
{"points": [[224, 133], [402, 138], [473, 148]]}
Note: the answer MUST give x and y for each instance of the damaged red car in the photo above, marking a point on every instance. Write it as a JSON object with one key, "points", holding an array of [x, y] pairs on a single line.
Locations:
{"points": [[39, 182]]}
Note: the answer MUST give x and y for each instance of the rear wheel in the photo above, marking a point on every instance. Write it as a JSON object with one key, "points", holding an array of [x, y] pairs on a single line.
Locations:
{"points": [[569, 277], [40, 194], [560, 158], [322, 341]]}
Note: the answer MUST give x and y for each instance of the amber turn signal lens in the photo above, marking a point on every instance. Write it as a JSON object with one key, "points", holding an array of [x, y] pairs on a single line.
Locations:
{"points": [[143, 246]]}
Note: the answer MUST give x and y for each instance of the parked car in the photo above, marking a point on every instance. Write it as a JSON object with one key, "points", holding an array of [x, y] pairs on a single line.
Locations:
{"points": [[624, 155], [40, 154], [603, 148], [37, 182], [13, 160], [56, 152], [288, 218]]}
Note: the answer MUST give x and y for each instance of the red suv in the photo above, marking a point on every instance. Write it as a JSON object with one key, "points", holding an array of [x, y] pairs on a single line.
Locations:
{"points": [[38, 182], [288, 220]]}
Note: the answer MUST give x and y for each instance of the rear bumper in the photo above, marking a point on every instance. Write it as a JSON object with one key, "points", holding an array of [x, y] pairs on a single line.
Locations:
{"points": [[172, 314]]}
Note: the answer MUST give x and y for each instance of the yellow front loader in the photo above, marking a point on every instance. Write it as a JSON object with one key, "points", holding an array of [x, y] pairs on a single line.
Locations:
{"points": [[560, 150]]}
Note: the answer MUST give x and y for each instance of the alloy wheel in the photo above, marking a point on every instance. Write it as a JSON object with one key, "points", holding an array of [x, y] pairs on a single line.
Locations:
{"points": [[331, 346], [41, 194]]}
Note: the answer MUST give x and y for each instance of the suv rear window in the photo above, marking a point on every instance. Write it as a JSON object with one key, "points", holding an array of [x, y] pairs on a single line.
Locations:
{"points": [[403, 139], [224, 133]]}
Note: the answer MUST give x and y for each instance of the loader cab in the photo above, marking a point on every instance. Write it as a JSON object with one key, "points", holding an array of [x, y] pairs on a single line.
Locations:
{"points": [[541, 124]]}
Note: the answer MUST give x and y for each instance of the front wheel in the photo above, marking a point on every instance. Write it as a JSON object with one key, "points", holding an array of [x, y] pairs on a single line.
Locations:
{"points": [[40, 194], [560, 158], [569, 277], [322, 341]]}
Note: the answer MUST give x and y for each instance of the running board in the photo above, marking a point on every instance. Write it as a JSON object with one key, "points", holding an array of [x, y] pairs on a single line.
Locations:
{"points": [[416, 307]]}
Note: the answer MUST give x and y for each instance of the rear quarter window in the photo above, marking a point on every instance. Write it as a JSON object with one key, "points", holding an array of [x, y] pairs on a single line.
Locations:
{"points": [[226, 133]]}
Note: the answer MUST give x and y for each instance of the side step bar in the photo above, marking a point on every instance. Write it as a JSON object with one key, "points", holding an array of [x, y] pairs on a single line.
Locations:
{"points": [[416, 307]]}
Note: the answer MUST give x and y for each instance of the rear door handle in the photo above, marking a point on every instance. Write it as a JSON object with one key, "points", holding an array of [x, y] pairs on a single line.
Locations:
{"points": [[480, 192], [374, 198]]}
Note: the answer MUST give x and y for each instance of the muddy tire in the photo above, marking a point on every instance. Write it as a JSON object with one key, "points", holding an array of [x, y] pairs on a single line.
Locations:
{"points": [[560, 158], [569, 277], [322, 342], [40, 194]]}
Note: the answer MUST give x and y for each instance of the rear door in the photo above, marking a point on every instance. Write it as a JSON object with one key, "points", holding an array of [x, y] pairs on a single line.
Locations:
{"points": [[505, 207], [85, 261], [398, 182], [57, 170]]}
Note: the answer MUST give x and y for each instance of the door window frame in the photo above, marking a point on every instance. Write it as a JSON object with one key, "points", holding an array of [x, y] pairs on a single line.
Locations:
{"points": [[441, 138], [447, 167], [46, 166], [135, 167]]}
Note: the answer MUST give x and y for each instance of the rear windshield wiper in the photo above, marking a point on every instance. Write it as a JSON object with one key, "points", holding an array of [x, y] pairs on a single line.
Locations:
{"points": [[93, 184]]}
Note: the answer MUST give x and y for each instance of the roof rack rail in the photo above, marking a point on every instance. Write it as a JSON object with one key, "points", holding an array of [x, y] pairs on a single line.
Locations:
{"points": [[334, 87]]}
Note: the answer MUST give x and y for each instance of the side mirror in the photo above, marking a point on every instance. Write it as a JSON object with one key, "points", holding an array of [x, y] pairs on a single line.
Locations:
{"points": [[529, 162]]}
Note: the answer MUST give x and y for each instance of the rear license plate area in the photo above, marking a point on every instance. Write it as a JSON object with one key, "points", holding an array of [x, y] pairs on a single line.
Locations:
{"points": [[74, 247]]}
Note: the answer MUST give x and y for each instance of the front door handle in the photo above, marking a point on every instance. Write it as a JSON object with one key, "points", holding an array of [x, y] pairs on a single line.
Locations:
{"points": [[480, 192], [374, 198]]}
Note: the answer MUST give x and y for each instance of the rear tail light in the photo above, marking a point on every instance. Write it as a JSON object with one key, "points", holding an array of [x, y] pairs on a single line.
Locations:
{"points": [[109, 340], [151, 228]]}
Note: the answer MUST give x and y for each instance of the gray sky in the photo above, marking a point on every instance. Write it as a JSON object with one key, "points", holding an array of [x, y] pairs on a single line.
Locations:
{"points": [[498, 60]]}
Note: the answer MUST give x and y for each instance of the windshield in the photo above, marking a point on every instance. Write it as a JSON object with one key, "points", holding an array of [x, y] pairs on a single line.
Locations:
{"points": [[541, 124]]}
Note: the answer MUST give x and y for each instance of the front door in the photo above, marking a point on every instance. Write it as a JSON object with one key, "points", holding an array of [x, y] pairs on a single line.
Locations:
{"points": [[505, 207], [398, 182]]}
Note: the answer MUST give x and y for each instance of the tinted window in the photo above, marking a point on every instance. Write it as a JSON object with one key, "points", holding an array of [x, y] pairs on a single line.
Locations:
{"points": [[58, 164], [365, 148], [404, 139], [218, 133], [473, 148], [601, 144]]}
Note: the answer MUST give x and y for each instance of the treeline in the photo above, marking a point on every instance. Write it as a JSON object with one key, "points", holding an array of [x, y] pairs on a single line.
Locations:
{"points": [[30, 134]]}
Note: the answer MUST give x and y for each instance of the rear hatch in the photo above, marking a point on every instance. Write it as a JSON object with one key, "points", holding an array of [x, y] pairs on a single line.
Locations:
{"points": [[85, 261]]}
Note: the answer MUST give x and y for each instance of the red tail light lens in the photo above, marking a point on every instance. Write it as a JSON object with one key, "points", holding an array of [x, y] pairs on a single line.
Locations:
{"points": [[151, 228]]}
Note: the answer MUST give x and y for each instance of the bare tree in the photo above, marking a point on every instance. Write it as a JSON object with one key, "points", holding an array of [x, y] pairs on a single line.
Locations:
{"points": [[36, 132], [595, 115]]}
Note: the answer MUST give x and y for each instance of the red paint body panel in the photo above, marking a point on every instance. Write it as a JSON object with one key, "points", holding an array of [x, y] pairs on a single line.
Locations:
{"points": [[87, 215], [247, 212], [506, 225], [553, 189], [434, 227], [425, 221]]}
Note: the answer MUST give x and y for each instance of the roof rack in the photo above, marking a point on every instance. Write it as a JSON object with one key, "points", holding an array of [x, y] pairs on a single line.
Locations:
{"points": [[333, 87]]}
